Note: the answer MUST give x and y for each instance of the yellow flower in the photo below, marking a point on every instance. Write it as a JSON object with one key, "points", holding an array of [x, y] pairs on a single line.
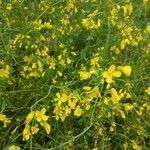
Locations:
{"points": [[64, 21], [148, 28], [34, 129], [95, 148], [62, 116], [67, 111], [128, 107], [95, 61], [4, 119], [68, 61], [46, 126], [86, 88], [94, 93], [89, 23], [61, 98], [112, 129], [125, 146], [145, 1], [58, 113], [84, 75], [26, 133], [40, 115], [47, 25], [59, 73], [126, 70], [4, 71], [110, 73], [127, 10], [27, 58], [78, 111], [9, 7], [122, 114], [124, 43], [115, 98], [13, 147], [72, 103], [41, 118], [148, 90], [136, 146], [30, 117]]}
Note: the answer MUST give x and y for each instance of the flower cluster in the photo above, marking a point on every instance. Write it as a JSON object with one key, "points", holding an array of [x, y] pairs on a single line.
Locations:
{"points": [[65, 103], [121, 18], [89, 23], [115, 72], [4, 70], [4, 119], [33, 117]]}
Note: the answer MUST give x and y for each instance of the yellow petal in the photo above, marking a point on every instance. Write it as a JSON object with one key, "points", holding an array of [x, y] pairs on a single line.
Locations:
{"points": [[43, 111], [13, 147], [30, 117], [26, 133], [105, 74], [111, 68], [84, 75], [78, 111], [117, 74], [148, 90], [127, 70], [46, 126], [34, 130], [86, 88], [109, 80], [114, 96]]}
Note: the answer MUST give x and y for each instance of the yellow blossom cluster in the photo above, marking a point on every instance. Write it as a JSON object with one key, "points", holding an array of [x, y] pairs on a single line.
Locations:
{"points": [[148, 90], [62, 60], [115, 72], [129, 37], [19, 41], [43, 5], [13, 147], [4, 69], [35, 57], [126, 70], [39, 25], [95, 61], [34, 117], [4, 119], [111, 73], [89, 23], [92, 92], [126, 10], [148, 28], [9, 7], [65, 103], [130, 34], [84, 75], [70, 7], [116, 97], [35, 70]]}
